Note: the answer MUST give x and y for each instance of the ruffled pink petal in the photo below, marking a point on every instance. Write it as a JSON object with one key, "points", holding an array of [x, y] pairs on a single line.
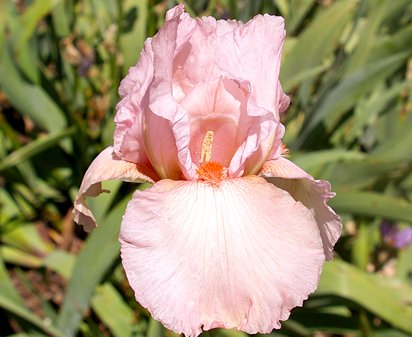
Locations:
{"points": [[253, 52], [106, 166], [167, 44], [228, 48], [284, 100], [278, 147], [314, 194], [225, 136], [243, 132], [239, 255], [189, 52], [263, 136], [217, 106], [160, 144], [128, 135]]}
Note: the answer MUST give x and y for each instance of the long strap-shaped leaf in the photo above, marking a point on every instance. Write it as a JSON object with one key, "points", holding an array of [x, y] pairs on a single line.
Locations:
{"points": [[98, 254], [12, 302], [387, 298]]}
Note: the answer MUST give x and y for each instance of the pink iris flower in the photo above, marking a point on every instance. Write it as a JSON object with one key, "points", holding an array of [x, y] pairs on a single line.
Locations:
{"points": [[231, 234]]}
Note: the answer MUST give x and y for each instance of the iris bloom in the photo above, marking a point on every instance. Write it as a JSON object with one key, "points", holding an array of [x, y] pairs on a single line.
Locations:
{"points": [[231, 234]]}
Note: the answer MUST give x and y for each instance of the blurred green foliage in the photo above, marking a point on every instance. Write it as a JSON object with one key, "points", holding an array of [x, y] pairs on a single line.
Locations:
{"points": [[348, 67]]}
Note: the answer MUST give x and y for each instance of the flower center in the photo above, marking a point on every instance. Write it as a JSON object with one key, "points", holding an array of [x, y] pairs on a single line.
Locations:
{"points": [[210, 171]]}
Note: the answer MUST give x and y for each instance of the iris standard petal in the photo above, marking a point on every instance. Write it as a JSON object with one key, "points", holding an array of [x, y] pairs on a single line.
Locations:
{"points": [[106, 166], [128, 135], [235, 54], [239, 255], [314, 194]]}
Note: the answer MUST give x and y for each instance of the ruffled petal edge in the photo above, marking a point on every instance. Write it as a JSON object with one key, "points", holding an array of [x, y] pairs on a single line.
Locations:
{"points": [[106, 166], [314, 194]]}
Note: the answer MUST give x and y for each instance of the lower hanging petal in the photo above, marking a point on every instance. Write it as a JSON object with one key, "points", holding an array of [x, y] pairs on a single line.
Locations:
{"points": [[314, 194], [239, 255], [106, 166]]}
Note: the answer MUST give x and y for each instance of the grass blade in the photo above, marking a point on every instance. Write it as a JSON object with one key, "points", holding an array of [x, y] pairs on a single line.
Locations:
{"points": [[98, 254], [39, 145], [372, 204], [389, 299]]}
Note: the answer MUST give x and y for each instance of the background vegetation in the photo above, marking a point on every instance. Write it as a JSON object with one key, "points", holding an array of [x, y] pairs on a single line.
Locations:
{"points": [[348, 67]]}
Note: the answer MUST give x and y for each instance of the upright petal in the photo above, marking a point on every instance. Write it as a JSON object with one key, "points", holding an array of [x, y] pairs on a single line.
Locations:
{"points": [[166, 44], [106, 166], [229, 48], [236, 54], [160, 145], [239, 255], [128, 135], [314, 194]]}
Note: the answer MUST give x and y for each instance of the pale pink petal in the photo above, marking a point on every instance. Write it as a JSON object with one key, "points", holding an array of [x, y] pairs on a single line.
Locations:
{"points": [[105, 167], [167, 44], [225, 136], [253, 51], [229, 48], [278, 146], [217, 106], [222, 96], [160, 144], [239, 255], [314, 194], [188, 53], [284, 99], [128, 135], [262, 139], [243, 132]]}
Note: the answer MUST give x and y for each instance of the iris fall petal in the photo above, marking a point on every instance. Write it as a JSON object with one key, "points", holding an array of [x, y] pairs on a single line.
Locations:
{"points": [[106, 166], [200, 256], [314, 194]]}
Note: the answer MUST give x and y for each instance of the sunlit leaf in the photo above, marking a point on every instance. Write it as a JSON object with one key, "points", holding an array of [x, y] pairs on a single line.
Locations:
{"points": [[113, 311], [389, 299]]}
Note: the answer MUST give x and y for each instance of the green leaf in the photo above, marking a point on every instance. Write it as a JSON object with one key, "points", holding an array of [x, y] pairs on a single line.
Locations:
{"points": [[28, 99], [347, 92], [372, 204], [389, 299], [397, 148], [101, 205], [9, 209], [369, 32], [362, 173], [39, 145], [363, 245], [317, 42], [331, 323], [18, 257], [296, 12], [60, 19], [11, 302], [61, 262], [3, 21], [155, 328], [98, 254], [228, 333], [29, 20], [113, 311], [311, 160], [27, 237], [368, 111], [304, 75], [404, 265], [135, 13]]}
